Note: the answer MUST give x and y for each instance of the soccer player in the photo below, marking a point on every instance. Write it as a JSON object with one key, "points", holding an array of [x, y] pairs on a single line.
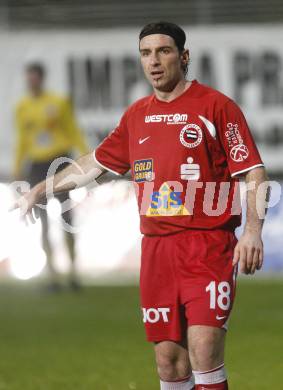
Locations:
{"points": [[46, 129], [186, 146]]}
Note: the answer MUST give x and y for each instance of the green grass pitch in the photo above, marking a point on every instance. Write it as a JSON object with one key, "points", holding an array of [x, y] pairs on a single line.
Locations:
{"points": [[95, 340]]}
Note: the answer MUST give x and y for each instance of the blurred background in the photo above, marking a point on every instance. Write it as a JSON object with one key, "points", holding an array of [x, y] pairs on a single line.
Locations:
{"points": [[89, 50]]}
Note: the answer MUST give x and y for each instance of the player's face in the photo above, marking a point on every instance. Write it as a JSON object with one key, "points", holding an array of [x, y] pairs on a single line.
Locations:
{"points": [[161, 61], [34, 81]]}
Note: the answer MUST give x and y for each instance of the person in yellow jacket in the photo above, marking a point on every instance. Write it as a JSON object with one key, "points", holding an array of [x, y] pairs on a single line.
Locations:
{"points": [[46, 130]]}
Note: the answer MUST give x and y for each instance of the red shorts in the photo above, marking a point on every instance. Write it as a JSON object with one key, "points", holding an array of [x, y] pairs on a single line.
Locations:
{"points": [[186, 279]]}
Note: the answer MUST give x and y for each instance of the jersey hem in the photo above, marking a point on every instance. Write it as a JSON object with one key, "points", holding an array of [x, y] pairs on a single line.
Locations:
{"points": [[246, 170]]}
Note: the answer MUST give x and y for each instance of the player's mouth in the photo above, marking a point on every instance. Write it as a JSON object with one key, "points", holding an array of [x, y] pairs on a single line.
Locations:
{"points": [[156, 74]]}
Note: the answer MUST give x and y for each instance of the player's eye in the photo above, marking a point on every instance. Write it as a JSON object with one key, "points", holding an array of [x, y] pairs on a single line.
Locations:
{"points": [[144, 53], [165, 50]]}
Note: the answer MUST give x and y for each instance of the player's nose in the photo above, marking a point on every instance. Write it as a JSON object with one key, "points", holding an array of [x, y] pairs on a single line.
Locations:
{"points": [[154, 60]]}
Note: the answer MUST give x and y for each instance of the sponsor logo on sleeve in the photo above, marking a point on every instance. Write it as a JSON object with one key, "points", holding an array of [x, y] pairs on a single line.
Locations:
{"points": [[239, 153], [233, 135], [238, 150]]}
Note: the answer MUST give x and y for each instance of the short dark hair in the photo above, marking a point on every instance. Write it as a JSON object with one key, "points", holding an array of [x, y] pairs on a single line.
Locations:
{"points": [[167, 28], [36, 67]]}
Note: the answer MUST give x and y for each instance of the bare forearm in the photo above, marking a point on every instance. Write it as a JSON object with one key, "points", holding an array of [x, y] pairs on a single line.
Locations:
{"points": [[257, 199], [249, 249], [79, 173]]}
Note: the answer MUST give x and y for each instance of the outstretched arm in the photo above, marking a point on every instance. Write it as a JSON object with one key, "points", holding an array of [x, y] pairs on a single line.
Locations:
{"points": [[79, 173], [249, 249]]}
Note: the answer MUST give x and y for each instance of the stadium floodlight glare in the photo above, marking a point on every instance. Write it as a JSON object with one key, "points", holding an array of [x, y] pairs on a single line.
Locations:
{"points": [[78, 195], [6, 222], [22, 243], [27, 264], [108, 232], [27, 258], [112, 229], [53, 209]]}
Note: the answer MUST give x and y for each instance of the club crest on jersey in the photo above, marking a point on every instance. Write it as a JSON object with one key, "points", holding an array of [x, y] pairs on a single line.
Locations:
{"points": [[166, 202], [191, 135], [143, 170]]}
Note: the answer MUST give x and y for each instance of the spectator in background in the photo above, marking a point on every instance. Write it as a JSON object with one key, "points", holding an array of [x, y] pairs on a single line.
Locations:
{"points": [[46, 130]]}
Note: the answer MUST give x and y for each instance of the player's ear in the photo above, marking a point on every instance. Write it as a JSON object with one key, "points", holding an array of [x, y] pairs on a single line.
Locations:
{"points": [[185, 57]]}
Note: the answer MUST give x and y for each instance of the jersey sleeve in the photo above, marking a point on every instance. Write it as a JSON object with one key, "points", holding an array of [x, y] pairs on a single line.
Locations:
{"points": [[237, 140], [113, 153]]}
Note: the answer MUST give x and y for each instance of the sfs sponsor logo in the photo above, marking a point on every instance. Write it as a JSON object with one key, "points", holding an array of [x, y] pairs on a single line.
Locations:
{"points": [[170, 119], [166, 202], [153, 315]]}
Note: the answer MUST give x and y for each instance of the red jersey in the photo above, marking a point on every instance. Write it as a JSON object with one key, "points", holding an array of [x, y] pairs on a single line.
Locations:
{"points": [[185, 156]]}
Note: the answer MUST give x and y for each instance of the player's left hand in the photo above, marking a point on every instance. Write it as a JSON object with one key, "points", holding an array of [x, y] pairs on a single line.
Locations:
{"points": [[249, 252]]}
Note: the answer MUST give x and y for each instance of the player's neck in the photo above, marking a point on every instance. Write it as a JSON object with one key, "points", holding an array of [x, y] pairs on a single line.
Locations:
{"points": [[35, 93], [178, 89]]}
